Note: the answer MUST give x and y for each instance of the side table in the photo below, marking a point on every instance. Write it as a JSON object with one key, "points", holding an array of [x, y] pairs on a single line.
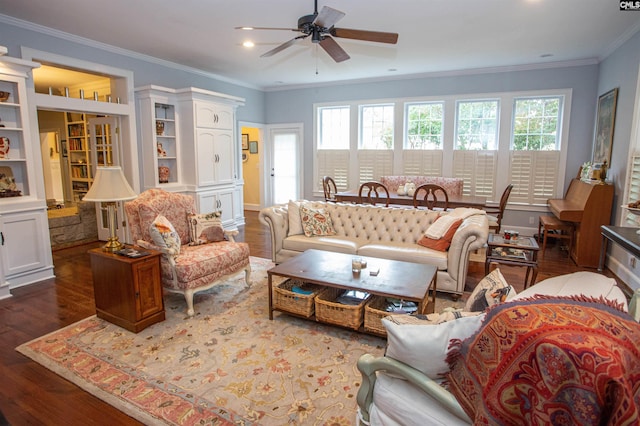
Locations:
{"points": [[520, 252], [128, 291]]}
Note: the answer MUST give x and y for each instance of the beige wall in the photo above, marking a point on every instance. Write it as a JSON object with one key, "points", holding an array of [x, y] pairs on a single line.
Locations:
{"points": [[250, 171]]}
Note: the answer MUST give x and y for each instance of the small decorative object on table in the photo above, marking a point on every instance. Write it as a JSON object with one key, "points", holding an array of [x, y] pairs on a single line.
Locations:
{"points": [[161, 151], [163, 174], [159, 128], [8, 186]]}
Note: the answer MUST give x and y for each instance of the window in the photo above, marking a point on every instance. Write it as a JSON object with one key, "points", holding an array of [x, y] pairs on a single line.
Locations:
{"points": [[535, 148], [334, 128], [477, 125], [376, 127], [333, 145], [424, 124]]}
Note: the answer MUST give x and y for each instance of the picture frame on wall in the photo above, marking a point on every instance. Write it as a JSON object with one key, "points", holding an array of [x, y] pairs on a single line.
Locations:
{"points": [[253, 147], [605, 121], [245, 141]]}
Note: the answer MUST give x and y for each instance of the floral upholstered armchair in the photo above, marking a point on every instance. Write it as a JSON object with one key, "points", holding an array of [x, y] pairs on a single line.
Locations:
{"points": [[197, 252]]}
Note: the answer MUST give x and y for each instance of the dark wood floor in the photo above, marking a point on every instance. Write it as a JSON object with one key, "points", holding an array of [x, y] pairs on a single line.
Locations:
{"points": [[31, 394]]}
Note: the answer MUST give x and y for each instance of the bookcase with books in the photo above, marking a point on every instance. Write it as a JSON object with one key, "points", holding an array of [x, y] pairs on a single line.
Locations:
{"points": [[80, 168]]}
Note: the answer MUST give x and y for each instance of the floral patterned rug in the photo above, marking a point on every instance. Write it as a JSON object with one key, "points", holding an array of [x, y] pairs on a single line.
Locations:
{"points": [[229, 364]]}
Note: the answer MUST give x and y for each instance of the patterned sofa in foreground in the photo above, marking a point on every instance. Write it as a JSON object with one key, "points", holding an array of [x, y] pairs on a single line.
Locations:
{"points": [[187, 266], [564, 351]]}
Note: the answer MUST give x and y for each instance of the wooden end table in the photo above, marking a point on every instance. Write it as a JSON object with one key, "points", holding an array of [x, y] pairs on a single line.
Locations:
{"points": [[128, 291], [520, 252]]}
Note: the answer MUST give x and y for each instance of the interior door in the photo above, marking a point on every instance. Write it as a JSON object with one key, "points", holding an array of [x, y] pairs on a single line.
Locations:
{"points": [[105, 151], [285, 164]]}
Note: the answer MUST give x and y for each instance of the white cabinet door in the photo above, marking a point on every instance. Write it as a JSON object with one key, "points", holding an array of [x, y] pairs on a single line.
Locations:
{"points": [[213, 116], [215, 160], [221, 201], [26, 246]]}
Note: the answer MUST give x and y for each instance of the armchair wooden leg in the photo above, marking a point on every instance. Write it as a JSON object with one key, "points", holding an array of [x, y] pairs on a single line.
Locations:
{"points": [[247, 275], [188, 296]]}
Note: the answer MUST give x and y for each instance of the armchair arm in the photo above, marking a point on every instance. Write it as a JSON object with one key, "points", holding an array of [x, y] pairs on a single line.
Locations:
{"points": [[230, 234], [369, 365]]}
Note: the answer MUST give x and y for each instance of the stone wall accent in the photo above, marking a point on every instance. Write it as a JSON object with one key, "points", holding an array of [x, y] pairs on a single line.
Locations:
{"points": [[74, 229]]}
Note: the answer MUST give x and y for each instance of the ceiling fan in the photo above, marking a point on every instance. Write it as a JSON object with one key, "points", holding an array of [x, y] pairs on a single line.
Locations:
{"points": [[320, 27]]}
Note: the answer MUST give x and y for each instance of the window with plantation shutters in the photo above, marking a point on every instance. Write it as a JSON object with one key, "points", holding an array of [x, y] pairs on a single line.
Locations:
{"points": [[374, 163], [634, 190], [334, 163], [478, 170], [421, 162], [534, 175]]}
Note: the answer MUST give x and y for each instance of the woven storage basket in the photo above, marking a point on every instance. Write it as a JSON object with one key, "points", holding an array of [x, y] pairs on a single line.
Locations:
{"points": [[332, 312], [374, 311], [287, 300]]}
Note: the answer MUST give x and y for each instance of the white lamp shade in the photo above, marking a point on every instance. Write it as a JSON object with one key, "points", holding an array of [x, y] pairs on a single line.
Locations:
{"points": [[110, 185]]}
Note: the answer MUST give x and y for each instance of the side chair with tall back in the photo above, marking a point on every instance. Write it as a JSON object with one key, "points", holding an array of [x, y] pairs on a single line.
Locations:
{"points": [[431, 196], [373, 192], [495, 214], [330, 189], [165, 221]]}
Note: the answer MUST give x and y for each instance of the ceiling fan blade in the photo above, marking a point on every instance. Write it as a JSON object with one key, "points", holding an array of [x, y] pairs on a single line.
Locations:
{"points": [[283, 46], [247, 28], [376, 36], [333, 49], [328, 17]]}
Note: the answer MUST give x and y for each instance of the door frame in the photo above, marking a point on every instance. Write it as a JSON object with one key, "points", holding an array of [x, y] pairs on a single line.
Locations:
{"points": [[262, 155], [269, 162]]}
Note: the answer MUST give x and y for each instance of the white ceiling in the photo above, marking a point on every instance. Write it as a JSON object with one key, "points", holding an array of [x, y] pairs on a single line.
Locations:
{"points": [[435, 36]]}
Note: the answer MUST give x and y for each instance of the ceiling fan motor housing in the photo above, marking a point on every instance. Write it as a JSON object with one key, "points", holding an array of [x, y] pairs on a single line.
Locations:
{"points": [[305, 23]]}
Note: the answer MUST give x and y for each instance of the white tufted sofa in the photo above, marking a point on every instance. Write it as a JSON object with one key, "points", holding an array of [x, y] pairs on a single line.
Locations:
{"points": [[384, 232]]}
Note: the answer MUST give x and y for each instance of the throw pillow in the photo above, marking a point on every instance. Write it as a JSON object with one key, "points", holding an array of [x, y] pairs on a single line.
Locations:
{"points": [[491, 290], [425, 346], [293, 211], [205, 228], [558, 360], [316, 222], [164, 235], [443, 243]]}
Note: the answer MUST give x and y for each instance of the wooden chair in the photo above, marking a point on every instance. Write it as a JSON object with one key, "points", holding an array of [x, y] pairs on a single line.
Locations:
{"points": [[330, 189], [372, 192], [495, 214], [552, 227], [434, 196]]}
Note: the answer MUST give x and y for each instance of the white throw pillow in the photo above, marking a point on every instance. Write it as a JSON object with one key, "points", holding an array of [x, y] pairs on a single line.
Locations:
{"points": [[425, 346], [491, 290], [164, 235], [295, 223]]}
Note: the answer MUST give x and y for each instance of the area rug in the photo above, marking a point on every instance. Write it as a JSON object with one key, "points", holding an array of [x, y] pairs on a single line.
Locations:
{"points": [[229, 364]]}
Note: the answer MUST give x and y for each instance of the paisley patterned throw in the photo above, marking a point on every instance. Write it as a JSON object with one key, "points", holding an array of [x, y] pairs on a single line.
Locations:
{"points": [[550, 360]]}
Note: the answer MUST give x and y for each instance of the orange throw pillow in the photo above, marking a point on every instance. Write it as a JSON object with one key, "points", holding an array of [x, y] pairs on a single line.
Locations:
{"points": [[441, 244]]}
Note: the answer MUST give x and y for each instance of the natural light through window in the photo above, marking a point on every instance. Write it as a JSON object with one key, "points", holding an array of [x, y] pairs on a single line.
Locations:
{"points": [[334, 128], [424, 125], [535, 124], [477, 125], [376, 124]]}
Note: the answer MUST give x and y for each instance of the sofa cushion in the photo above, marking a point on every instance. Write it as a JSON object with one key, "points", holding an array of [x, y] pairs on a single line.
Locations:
{"points": [[205, 228], [445, 233], [565, 360], [425, 346], [407, 252], [329, 243], [491, 290], [295, 224], [315, 221], [164, 235]]}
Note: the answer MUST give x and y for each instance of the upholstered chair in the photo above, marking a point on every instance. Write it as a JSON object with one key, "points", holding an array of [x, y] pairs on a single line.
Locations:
{"points": [[165, 221]]}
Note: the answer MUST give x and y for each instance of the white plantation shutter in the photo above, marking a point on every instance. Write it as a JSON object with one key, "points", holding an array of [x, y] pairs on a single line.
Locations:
{"points": [[422, 162], [334, 163], [634, 189], [478, 170], [374, 163], [534, 175]]}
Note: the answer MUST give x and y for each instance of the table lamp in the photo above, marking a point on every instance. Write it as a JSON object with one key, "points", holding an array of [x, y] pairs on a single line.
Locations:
{"points": [[110, 186]]}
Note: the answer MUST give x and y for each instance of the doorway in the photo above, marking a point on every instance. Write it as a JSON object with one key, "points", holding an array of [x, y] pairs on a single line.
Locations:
{"points": [[285, 163], [52, 168]]}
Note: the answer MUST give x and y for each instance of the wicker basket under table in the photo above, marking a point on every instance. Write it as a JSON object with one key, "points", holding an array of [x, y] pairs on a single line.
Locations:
{"points": [[374, 311], [296, 303], [331, 312]]}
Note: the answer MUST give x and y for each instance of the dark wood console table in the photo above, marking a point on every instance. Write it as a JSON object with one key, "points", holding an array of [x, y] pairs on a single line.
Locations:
{"points": [[628, 238]]}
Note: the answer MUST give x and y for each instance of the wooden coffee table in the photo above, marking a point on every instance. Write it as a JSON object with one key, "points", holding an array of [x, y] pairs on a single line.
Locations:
{"points": [[403, 280]]}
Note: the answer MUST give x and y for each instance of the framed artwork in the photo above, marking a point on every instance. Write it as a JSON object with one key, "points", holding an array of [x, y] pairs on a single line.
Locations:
{"points": [[605, 120], [253, 147], [63, 145], [245, 141]]}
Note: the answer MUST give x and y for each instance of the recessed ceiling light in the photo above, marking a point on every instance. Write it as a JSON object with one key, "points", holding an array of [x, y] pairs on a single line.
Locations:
{"points": [[248, 43], [244, 28], [392, 69]]}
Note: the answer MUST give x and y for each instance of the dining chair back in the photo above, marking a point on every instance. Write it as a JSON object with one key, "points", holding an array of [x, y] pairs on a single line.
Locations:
{"points": [[495, 214], [431, 196], [330, 189], [373, 193]]}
